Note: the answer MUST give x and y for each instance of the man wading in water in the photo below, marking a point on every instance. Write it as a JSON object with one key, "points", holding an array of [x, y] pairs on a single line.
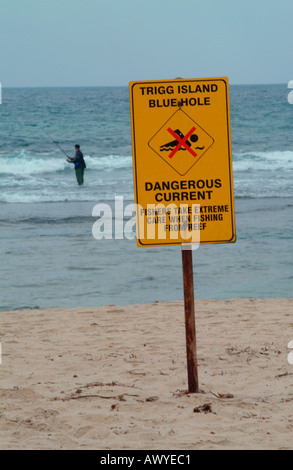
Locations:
{"points": [[79, 164]]}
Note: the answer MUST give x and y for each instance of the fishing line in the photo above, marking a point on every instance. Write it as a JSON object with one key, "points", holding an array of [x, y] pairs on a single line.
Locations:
{"points": [[55, 143]]}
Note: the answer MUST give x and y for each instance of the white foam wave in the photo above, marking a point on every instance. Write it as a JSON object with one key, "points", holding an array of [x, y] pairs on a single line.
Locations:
{"points": [[108, 162], [26, 164], [50, 195], [275, 160]]}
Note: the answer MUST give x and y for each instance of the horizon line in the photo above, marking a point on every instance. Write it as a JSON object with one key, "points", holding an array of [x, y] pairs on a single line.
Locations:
{"points": [[124, 86]]}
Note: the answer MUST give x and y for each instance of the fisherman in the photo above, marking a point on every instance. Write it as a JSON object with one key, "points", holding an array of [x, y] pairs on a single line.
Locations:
{"points": [[79, 164]]}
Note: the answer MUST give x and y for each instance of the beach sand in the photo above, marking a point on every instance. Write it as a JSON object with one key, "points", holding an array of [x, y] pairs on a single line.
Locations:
{"points": [[115, 377]]}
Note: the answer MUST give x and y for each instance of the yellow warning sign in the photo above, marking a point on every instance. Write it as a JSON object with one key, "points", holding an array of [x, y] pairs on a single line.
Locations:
{"points": [[182, 161]]}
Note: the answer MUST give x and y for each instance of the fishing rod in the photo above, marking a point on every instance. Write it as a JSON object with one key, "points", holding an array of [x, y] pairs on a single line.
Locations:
{"points": [[55, 143]]}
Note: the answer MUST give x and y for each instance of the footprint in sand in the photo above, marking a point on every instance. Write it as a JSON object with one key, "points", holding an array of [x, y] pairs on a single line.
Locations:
{"points": [[290, 355]]}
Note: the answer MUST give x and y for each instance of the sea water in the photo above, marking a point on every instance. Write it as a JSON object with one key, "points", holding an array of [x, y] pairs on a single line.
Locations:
{"points": [[49, 257]]}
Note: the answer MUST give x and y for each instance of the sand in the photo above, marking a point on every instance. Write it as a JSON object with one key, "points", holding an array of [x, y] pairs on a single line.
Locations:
{"points": [[116, 377]]}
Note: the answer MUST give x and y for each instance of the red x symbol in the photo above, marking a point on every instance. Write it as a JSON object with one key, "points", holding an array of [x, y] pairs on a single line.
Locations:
{"points": [[181, 142]]}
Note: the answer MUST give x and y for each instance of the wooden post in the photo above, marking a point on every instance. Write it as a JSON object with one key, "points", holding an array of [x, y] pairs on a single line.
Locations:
{"points": [[189, 319]]}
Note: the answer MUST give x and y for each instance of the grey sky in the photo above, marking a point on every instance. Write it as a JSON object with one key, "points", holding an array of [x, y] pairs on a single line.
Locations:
{"points": [[111, 42]]}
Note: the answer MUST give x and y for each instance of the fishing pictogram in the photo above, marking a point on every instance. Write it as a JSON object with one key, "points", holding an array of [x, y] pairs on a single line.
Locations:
{"points": [[190, 141]]}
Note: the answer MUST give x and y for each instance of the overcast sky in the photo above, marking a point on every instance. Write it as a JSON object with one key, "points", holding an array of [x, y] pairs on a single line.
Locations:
{"points": [[112, 42]]}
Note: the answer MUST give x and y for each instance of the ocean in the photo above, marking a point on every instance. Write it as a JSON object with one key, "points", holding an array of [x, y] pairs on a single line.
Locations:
{"points": [[49, 256]]}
